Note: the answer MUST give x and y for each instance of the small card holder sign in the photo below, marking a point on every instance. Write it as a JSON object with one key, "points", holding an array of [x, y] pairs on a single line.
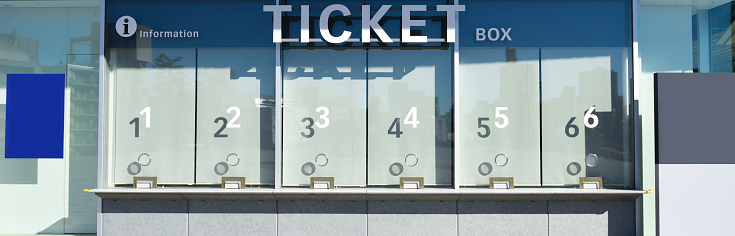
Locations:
{"points": [[501, 183], [590, 182], [145, 182], [412, 182], [322, 182], [233, 182]]}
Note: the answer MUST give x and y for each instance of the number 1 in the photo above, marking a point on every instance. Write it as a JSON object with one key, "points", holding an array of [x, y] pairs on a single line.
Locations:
{"points": [[135, 121], [147, 112]]}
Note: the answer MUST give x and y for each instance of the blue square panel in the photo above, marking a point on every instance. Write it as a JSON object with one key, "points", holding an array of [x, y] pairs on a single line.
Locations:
{"points": [[34, 124]]}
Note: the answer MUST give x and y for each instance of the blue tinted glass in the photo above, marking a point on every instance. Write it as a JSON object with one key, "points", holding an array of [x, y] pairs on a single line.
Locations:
{"points": [[435, 22], [198, 24], [547, 23], [720, 19]]}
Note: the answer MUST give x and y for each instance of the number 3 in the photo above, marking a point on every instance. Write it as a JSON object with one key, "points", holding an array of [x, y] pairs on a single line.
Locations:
{"points": [[323, 117], [308, 127], [318, 124]]}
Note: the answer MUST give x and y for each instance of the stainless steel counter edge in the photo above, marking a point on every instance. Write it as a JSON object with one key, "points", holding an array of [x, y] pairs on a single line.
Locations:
{"points": [[373, 194]]}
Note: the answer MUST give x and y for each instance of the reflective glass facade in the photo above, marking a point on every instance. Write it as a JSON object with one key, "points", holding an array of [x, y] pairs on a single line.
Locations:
{"points": [[544, 104], [541, 91], [51, 37]]}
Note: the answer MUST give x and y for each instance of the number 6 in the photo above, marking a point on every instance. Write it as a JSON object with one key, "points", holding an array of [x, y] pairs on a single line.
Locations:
{"points": [[588, 116]]}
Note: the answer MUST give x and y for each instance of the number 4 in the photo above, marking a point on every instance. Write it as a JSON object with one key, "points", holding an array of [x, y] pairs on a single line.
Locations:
{"points": [[395, 128], [411, 118]]}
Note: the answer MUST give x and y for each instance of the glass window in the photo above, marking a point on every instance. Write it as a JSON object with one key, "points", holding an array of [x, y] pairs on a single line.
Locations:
{"points": [[585, 116], [545, 103], [193, 109], [367, 116], [499, 101], [324, 116], [180, 109], [53, 37], [721, 35], [409, 116], [154, 111], [235, 115]]}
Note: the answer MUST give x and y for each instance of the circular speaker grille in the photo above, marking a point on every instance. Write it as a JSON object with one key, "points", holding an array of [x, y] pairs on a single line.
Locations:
{"points": [[591, 160], [144, 159], [395, 169], [412, 160], [485, 168], [308, 168], [321, 159], [233, 159], [501, 160]]}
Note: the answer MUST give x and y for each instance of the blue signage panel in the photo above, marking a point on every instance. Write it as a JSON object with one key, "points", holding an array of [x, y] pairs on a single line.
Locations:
{"points": [[557, 23], [34, 124], [184, 24]]}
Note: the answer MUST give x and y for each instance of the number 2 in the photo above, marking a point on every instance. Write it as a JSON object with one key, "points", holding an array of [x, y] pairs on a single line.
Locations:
{"points": [[219, 133], [226, 124], [232, 124]]}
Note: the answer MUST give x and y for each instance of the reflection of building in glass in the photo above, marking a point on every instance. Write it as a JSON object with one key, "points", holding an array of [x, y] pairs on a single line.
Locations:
{"points": [[267, 104], [609, 139], [18, 54]]}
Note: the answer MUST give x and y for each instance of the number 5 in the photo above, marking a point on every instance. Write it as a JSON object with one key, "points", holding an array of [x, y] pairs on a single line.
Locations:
{"points": [[483, 126], [501, 116]]}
